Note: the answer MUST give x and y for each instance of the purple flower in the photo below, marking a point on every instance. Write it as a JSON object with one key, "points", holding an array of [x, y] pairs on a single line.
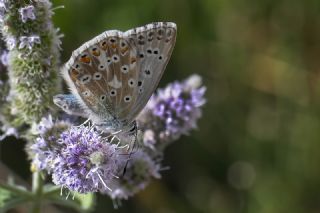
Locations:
{"points": [[8, 131], [139, 172], [149, 139], [173, 111], [44, 150], [27, 13], [4, 58], [3, 10], [11, 43], [86, 162], [29, 42]]}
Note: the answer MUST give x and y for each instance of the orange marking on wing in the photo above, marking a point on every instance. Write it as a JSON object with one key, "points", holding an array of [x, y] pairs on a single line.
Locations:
{"points": [[74, 74], [124, 50], [114, 46], [85, 59], [133, 60], [96, 53], [104, 45]]}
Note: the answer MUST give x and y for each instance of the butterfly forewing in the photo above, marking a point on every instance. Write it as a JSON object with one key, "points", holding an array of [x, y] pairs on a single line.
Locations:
{"points": [[154, 43], [114, 74]]}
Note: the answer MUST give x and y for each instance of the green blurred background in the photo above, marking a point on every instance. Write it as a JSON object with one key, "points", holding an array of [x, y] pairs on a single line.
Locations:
{"points": [[257, 149]]}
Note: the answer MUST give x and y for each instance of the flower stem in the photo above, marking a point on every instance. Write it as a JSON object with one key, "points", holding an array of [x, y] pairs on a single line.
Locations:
{"points": [[15, 190], [37, 188]]}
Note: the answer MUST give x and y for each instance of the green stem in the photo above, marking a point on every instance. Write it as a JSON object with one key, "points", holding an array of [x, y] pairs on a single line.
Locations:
{"points": [[37, 189], [53, 190], [16, 190], [67, 203], [13, 203]]}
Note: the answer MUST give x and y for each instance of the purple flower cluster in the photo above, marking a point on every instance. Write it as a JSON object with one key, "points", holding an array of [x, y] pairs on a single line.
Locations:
{"points": [[173, 111], [85, 163], [26, 13], [140, 169], [77, 157], [46, 147]]}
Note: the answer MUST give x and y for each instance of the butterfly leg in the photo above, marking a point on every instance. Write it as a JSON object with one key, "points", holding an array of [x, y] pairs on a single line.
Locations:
{"points": [[85, 122], [133, 131]]}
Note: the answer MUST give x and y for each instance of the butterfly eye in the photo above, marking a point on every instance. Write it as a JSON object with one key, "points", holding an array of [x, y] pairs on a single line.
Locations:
{"points": [[113, 92], [125, 69], [127, 98], [131, 82]]}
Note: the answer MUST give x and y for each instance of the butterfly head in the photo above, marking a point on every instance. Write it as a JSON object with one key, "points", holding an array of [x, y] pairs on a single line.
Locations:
{"points": [[68, 103]]}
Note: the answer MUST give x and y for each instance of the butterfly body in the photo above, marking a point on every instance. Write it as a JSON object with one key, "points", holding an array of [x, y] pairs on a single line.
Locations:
{"points": [[112, 76]]}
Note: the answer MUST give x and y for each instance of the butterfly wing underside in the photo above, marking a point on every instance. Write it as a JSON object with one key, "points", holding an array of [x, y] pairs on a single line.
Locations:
{"points": [[154, 44], [114, 74]]}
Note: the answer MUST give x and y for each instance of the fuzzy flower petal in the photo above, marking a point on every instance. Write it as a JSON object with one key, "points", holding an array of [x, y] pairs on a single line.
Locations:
{"points": [[27, 13], [11, 43], [44, 150], [29, 42], [4, 58]]}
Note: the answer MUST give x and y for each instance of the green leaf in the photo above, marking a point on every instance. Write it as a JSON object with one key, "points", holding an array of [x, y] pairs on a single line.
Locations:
{"points": [[86, 200], [4, 196]]}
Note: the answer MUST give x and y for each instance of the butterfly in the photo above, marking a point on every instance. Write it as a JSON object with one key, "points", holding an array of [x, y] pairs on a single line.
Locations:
{"points": [[112, 76]]}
